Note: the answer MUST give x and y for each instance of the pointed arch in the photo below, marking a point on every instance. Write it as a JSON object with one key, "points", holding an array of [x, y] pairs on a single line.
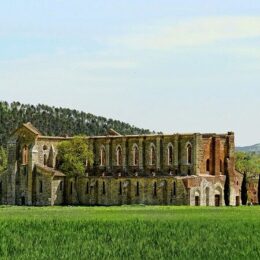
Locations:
{"points": [[189, 153]]}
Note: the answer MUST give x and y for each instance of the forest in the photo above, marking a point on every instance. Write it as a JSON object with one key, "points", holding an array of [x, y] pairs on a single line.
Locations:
{"points": [[57, 121]]}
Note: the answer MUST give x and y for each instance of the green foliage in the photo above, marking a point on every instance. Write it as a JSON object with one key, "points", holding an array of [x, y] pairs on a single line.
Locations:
{"points": [[3, 159], [58, 121], [73, 155], [248, 162], [244, 190], [129, 232]]}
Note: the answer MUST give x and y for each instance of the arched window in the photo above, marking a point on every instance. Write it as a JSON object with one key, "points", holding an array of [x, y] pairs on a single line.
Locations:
{"points": [[104, 188], [118, 156], [189, 154], [208, 165], [152, 155], [45, 159], [102, 156], [174, 189], [61, 185], [137, 189], [40, 187], [170, 154], [220, 166], [135, 155], [25, 155]]}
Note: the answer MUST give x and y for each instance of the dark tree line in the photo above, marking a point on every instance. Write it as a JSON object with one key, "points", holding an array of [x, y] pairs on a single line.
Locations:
{"points": [[56, 121]]}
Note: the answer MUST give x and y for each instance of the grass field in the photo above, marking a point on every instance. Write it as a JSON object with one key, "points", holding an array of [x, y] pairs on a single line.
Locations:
{"points": [[129, 232]]}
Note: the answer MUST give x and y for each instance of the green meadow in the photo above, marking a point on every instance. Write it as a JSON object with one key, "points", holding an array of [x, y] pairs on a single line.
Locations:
{"points": [[129, 232]]}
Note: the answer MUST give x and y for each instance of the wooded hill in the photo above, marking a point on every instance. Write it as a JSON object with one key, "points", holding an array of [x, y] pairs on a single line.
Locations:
{"points": [[56, 121]]}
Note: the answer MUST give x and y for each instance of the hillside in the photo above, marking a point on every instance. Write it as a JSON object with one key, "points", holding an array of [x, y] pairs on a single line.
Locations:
{"points": [[58, 121], [249, 149]]}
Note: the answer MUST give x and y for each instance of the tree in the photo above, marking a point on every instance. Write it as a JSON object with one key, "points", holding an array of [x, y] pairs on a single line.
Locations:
{"points": [[3, 159], [227, 190], [72, 156], [244, 190]]}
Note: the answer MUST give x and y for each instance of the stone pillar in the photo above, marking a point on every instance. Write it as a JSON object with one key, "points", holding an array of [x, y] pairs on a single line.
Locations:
{"points": [[176, 151], [141, 153], [216, 166], [196, 148]]}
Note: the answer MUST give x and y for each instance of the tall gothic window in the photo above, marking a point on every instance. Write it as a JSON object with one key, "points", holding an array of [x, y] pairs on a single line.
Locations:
{"points": [[102, 156], [220, 166], [103, 188], [135, 155], [137, 189], [45, 159], [25, 155], [152, 155], [40, 186], [174, 189], [208, 165], [118, 156], [170, 155], [189, 154]]}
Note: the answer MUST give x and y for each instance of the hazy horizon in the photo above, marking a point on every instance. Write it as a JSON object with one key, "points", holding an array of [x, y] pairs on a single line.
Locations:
{"points": [[162, 65]]}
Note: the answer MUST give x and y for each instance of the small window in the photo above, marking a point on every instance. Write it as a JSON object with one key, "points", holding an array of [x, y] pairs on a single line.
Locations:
{"points": [[170, 155], [189, 154], [135, 156], [120, 188], [189, 172], [104, 188], [174, 189], [44, 148], [40, 186], [137, 189]]}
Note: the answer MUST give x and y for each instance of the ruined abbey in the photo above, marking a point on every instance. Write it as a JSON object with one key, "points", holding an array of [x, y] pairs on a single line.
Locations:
{"points": [[173, 169]]}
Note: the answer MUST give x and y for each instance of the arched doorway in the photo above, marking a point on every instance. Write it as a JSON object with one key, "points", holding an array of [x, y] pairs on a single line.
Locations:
{"points": [[197, 199]]}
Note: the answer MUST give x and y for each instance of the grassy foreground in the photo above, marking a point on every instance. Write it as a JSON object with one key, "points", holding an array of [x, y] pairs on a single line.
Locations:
{"points": [[129, 232]]}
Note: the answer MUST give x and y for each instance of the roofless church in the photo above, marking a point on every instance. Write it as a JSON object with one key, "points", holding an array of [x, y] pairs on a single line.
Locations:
{"points": [[174, 169]]}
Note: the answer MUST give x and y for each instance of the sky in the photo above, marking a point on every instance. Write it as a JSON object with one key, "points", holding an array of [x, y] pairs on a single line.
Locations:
{"points": [[166, 65]]}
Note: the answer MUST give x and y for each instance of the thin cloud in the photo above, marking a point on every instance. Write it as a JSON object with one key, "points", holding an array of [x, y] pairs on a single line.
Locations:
{"points": [[192, 33]]}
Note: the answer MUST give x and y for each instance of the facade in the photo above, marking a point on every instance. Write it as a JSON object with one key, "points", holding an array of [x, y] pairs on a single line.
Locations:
{"points": [[175, 169], [252, 189]]}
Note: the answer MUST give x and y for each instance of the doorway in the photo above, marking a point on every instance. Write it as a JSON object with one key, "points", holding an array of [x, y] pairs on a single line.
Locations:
{"points": [[217, 200], [23, 201], [197, 201]]}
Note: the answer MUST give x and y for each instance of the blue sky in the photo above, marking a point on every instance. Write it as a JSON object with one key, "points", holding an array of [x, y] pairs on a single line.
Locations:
{"points": [[171, 66]]}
